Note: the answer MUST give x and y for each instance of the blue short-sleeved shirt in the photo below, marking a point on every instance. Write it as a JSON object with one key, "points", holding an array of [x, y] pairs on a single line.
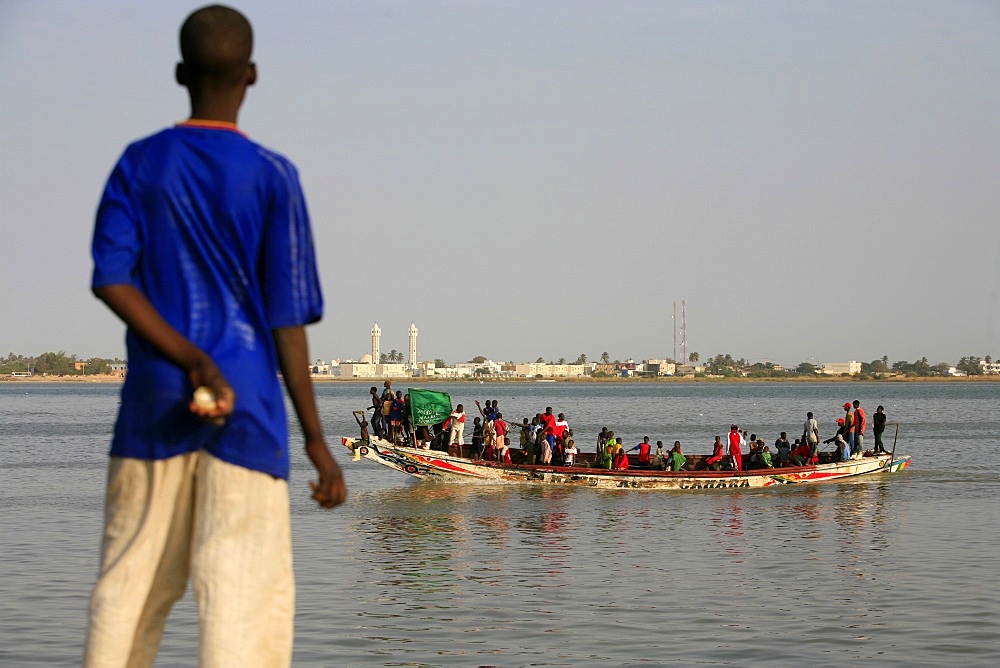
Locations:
{"points": [[213, 229]]}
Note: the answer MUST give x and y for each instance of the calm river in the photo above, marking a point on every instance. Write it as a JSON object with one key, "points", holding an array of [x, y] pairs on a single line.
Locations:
{"points": [[898, 570]]}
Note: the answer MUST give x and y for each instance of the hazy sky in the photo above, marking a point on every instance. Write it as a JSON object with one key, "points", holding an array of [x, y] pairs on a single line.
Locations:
{"points": [[819, 180]]}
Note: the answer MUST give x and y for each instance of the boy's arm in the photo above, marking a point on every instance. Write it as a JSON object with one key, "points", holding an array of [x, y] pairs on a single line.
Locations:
{"points": [[139, 314], [293, 358]]}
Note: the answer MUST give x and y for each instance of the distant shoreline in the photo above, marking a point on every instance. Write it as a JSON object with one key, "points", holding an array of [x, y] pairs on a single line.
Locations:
{"points": [[118, 379]]}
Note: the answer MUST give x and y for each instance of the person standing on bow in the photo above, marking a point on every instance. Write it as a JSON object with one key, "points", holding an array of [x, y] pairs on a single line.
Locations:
{"points": [[878, 427]]}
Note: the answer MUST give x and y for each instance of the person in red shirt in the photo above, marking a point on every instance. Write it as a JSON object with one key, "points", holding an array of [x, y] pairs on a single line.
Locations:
{"points": [[643, 449], [860, 422], [501, 429], [718, 454], [801, 454], [734, 448], [620, 462]]}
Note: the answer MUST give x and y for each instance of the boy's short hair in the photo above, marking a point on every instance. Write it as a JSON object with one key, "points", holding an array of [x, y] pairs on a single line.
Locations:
{"points": [[216, 43]]}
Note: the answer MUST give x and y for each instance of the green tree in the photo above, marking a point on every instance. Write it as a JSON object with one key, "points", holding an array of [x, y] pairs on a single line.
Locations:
{"points": [[383, 358], [582, 359], [806, 369], [540, 360], [55, 363], [693, 358], [439, 363], [562, 360], [478, 359], [970, 365], [605, 358]]}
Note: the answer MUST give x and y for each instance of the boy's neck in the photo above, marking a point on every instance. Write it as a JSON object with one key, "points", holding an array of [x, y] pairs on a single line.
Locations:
{"points": [[220, 108]]}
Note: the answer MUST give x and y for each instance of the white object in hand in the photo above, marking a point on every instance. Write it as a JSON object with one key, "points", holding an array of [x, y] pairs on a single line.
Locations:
{"points": [[204, 398]]}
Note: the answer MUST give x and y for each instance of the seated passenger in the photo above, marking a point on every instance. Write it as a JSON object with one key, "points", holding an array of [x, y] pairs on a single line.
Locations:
{"points": [[503, 454], [659, 459], [489, 452], [765, 458], [715, 462], [782, 448], [620, 460], [558, 450], [800, 455], [570, 453], [677, 458], [608, 456], [843, 451]]}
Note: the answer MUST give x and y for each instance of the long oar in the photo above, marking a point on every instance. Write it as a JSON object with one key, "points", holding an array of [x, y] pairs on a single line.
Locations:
{"points": [[893, 455]]}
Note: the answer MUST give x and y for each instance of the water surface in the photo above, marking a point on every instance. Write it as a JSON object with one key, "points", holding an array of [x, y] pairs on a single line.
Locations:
{"points": [[899, 570]]}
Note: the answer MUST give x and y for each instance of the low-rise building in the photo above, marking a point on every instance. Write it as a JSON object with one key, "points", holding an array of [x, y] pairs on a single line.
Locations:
{"points": [[536, 369], [660, 367], [841, 368], [355, 370], [990, 368]]}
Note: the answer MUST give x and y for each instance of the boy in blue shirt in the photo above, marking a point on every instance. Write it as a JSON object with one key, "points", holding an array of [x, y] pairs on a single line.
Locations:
{"points": [[202, 246]]}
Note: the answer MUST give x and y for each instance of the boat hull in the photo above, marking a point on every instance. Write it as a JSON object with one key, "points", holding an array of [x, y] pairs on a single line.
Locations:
{"points": [[443, 467]]}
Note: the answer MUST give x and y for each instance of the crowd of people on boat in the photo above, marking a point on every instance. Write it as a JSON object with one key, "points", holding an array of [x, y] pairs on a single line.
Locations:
{"points": [[547, 439]]}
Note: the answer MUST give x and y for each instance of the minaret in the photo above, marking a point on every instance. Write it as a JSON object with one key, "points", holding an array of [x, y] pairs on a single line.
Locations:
{"points": [[413, 345], [376, 340]]}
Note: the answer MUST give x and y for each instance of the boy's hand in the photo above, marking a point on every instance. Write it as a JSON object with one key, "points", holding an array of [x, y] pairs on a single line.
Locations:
{"points": [[330, 491], [205, 374]]}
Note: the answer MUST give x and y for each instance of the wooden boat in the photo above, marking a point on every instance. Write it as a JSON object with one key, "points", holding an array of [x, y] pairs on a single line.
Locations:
{"points": [[454, 467]]}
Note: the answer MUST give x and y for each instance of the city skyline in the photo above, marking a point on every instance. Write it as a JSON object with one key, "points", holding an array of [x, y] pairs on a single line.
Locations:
{"points": [[817, 180]]}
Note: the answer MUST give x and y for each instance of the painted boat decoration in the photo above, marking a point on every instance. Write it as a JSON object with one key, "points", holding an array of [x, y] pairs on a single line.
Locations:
{"points": [[446, 467]]}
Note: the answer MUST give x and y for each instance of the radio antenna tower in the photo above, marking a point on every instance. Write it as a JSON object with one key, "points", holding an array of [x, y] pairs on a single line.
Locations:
{"points": [[684, 332], [673, 319]]}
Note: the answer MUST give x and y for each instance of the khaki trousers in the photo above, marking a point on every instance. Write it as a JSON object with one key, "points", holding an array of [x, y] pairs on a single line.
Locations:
{"points": [[225, 527]]}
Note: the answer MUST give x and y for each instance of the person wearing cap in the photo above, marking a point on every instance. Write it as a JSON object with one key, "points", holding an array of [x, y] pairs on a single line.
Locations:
{"points": [[841, 431], [843, 451], [860, 422]]}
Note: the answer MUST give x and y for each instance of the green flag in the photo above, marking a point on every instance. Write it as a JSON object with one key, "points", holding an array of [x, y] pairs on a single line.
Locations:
{"points": [[428, 407]]}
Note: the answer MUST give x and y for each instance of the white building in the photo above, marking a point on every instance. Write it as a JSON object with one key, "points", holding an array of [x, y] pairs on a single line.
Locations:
{"points": [[450, 372], [355, 370], [851, 368], [990, 368], [534, 369], [492, 368], [397, 370]]}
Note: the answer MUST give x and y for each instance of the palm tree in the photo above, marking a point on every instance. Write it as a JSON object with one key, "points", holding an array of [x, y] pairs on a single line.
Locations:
{"points": [[605, 358], [693, 358], [393, 354]]}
